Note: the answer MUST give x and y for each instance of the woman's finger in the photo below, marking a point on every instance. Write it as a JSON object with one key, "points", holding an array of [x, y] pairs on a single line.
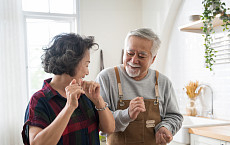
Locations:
{"points": [[73, 82]]}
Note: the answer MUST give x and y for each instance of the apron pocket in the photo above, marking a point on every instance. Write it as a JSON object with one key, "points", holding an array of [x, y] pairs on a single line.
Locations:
{"points": [[134, 133]]}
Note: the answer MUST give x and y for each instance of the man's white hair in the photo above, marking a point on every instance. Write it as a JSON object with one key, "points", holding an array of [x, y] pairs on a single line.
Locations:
{"points": [[147, 34]]}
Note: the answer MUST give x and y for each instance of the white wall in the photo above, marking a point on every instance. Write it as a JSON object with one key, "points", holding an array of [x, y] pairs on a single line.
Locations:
{"points": [[109, 21], [185, 62], [181, 54], [160, 16]]}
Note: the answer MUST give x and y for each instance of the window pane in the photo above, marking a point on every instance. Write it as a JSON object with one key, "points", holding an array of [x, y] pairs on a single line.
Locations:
{"points": [[35, 5], [50, 6], [39, 33], [62, 6]]}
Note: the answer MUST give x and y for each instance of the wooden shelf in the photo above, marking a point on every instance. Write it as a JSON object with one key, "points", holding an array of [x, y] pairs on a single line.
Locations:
{"points": [[195, 27]]}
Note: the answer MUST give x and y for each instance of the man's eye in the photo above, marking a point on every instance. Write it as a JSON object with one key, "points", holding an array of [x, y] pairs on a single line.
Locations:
{"points": [[130, 54], [142, 56]]}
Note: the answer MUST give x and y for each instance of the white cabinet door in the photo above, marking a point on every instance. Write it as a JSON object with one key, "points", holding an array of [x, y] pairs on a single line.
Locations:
{"points": [[201, 140], [227, 143], [223, 143], [176, 143]]}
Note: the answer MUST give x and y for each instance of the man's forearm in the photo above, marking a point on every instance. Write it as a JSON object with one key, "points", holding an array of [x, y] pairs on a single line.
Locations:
{"points": [[122, 119]]}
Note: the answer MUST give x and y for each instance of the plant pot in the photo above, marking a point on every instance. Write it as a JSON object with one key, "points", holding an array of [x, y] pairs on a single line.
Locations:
{"points": [[194, 18]]}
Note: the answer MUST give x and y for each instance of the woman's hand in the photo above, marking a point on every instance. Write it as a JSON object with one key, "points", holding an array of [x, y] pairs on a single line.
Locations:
{"points": [[92, 91], [106, 120], [73, 93]]}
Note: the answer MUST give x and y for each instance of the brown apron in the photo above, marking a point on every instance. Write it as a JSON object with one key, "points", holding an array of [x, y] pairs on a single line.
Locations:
{"points": [[141, 130]]}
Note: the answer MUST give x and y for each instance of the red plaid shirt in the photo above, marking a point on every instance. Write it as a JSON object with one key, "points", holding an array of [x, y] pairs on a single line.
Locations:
{"points": [[46, 104]]}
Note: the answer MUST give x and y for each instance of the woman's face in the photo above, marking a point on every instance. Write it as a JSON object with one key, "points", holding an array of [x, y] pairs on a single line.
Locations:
{"points": [[82, 69]]}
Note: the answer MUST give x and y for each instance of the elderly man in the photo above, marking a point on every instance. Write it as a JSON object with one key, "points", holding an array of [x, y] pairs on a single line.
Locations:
{"points": [[142, 100]]}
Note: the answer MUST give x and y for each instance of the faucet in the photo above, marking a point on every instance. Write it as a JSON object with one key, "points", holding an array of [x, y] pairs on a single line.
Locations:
{"points": [[205, 85]]}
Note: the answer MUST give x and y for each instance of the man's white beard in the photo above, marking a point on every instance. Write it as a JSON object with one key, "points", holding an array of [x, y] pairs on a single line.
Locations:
{"points": [[132, 72]]}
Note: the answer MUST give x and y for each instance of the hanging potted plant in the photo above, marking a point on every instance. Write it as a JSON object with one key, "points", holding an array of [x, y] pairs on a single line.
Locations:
{"points": [[211, 9]]}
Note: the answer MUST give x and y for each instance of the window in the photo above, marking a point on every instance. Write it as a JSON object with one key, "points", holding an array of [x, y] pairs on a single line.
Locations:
{"points": [[43, 20], [221, 44]]}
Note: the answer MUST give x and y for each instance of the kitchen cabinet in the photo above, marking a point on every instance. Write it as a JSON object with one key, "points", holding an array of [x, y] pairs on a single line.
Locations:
{"points": [[103, 143], [201, 140], [176, 143]]}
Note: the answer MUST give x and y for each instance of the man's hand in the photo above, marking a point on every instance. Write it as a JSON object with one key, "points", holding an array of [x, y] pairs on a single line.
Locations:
{"points": [[163, 136], [136, 106]]}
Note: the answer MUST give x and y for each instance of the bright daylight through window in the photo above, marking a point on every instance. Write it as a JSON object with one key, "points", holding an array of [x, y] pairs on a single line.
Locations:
{"points": [[43, 20]]}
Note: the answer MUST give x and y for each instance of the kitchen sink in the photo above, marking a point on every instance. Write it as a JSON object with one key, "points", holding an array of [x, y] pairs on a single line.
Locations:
{"points": [[182, 135]]}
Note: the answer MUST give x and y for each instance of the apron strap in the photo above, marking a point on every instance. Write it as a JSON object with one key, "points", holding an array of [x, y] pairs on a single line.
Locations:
{"points": [[157, 74], [156, 88], [120, 88]]}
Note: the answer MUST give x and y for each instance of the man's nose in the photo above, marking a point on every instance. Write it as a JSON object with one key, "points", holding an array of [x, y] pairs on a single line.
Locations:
{"points": [[135, 59]]}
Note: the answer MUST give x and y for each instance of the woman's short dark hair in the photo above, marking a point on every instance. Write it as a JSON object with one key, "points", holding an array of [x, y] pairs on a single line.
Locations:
{"points": [[65, 53]]}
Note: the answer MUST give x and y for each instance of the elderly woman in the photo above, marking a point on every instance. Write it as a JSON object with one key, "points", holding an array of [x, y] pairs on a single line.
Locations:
{"points": [[67, 110]]}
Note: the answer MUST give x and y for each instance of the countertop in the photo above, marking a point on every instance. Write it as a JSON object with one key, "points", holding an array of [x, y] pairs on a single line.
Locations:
{"points": [[216, 132]]}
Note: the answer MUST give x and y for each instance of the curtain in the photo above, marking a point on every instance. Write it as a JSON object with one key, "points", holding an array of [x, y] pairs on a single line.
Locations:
{"points": [[13, 89]]}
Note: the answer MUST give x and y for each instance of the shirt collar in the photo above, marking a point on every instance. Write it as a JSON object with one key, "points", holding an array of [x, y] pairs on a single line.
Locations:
{"points": [[49, 92]]}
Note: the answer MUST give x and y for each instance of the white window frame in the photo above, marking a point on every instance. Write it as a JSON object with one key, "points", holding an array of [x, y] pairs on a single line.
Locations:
{"points": [[73, 19]]}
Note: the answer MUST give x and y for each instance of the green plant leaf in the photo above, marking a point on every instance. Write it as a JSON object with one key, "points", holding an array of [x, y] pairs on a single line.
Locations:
{"points": [[207, 17]]}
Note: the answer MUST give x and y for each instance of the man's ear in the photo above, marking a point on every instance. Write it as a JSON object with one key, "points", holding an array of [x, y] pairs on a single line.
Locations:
{"points": [[153, 59]]}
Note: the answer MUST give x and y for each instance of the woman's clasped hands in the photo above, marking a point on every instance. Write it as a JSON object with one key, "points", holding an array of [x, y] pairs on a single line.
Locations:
{"points": [[75, 89]]}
